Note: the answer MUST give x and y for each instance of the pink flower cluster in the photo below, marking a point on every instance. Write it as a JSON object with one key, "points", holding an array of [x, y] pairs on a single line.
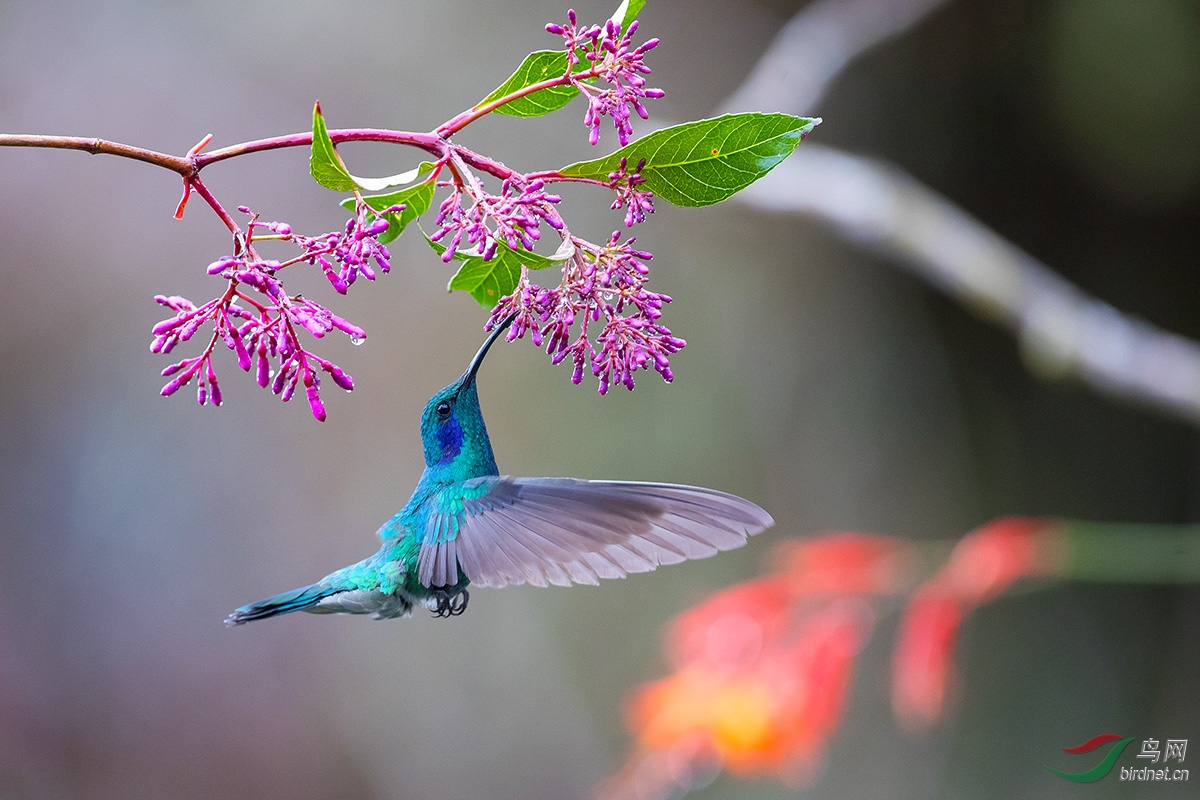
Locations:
{"points": [[602, 287], [600, 315], [259, 321], [346, 254], [515, 216], [607, 47], [637, 202]]}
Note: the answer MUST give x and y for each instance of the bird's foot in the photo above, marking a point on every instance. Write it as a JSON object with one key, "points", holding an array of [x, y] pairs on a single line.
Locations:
{"points": [[451, 605], [458, 603]]}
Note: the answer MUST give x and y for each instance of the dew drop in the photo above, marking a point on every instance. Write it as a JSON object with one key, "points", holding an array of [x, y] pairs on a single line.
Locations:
{"points": [[357, 340]]}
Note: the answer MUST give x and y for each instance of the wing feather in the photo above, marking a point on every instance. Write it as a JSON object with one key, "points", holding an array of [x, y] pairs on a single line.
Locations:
{"points": [[492, 559], [522, 551], [564, 530]]}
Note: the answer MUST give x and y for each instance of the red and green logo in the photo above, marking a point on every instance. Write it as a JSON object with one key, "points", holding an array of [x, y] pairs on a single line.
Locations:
{"points": [[1100, 770]]}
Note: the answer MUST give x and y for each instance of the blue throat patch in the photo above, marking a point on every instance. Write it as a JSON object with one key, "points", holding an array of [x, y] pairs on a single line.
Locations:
{"points": [[450, 439]]}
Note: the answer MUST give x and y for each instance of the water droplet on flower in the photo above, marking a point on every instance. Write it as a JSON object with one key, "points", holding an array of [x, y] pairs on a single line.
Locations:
{"points": [[356, 340]]}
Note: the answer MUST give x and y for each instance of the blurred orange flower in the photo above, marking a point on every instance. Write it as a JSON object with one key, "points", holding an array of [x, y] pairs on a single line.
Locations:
{"points": [[762, 670], [767, 712], [982, 565], [732, 624]]}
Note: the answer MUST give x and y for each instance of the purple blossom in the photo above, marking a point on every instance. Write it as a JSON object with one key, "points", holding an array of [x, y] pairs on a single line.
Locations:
{"points": [[344, 255], [576, 38], [514, 216], [637, 202], [602, 287], [600, 316], [608, 50], [259, 321]]}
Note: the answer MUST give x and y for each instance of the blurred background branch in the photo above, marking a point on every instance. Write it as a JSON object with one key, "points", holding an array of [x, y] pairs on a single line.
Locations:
{"points": [[810, 51], [1062, 329]]}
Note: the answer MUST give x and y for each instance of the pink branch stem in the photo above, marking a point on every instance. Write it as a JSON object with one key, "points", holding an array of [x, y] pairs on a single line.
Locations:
{"points": [[453, 126]]}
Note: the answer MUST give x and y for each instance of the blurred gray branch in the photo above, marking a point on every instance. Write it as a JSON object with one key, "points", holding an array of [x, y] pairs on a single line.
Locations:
{"points": [[817, 44], [1062, 329]]}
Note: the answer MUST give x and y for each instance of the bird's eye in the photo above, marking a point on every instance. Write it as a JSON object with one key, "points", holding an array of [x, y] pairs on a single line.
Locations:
{"points": [[443, 409]]}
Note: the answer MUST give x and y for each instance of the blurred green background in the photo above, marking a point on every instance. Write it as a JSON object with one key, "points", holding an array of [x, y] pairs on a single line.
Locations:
{"points": [[819, 381]]}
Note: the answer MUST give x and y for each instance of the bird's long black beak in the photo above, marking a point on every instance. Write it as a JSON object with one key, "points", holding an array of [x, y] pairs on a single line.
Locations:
{"points": [[469, 375]]}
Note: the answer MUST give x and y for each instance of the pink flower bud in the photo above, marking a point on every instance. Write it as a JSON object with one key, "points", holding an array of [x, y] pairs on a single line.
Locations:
{"points": [[347, 327], [190, 329], [240, 348], [339, 377], [377, 227], [314, 402], [210, 377], [175, 384], [222, 264], [290, 388], [169, 324], [281, 377], [313, 326], [264, 367]]}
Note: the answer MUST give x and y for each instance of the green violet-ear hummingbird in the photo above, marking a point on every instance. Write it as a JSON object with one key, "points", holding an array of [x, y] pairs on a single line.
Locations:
{"points": [[467, 525]]}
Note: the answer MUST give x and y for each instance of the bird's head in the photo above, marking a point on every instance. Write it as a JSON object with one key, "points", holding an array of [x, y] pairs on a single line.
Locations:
{"points": [[452, 426]]}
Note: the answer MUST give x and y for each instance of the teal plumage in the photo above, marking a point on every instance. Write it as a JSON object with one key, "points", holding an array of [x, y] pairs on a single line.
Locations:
{"points": [[466, 524]]}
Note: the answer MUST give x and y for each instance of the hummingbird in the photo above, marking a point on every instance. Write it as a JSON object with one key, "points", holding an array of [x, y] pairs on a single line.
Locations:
{"points": [[468, 525]]}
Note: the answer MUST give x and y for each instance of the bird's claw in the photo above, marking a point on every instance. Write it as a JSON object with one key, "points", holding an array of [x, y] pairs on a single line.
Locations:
{"points": [[451, 605]]}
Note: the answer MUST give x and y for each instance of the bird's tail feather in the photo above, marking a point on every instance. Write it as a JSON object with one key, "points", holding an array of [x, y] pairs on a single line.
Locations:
{"points": [[284, 603]]}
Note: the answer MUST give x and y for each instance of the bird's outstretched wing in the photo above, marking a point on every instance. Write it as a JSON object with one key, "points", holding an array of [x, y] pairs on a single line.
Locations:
{"points": [[564, 530]]}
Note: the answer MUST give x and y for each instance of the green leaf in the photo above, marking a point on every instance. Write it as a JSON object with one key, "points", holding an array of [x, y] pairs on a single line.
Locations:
{"points": [[627, 12], [416, 200], [705, 162], [537, 67], [325, 164], [488, 281]]}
